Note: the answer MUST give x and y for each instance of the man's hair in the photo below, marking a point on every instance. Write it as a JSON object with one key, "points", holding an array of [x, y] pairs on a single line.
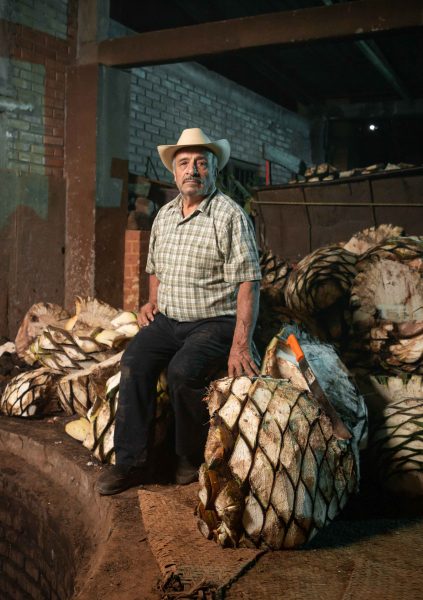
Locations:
{"points": [[212, 158]]}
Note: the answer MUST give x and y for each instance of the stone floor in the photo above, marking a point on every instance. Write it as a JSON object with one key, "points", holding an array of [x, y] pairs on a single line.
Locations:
{"points": [[373, 550]]}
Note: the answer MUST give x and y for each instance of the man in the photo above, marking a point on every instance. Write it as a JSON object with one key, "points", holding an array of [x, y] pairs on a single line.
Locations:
{"points": [[201, 313]]}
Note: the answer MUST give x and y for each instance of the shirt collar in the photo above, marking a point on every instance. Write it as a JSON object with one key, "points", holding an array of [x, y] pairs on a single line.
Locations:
{"points": [[175, 204]]}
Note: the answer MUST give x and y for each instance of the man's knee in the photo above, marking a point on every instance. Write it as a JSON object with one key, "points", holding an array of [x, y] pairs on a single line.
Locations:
{"points": [[180, 371], [134, 361]]}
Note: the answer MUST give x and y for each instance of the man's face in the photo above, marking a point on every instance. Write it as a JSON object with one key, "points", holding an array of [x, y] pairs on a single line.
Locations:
{"points": [[195, 172]]}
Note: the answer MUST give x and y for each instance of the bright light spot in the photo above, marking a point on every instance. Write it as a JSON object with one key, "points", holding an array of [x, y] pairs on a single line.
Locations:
{"points": [[373, 127]]}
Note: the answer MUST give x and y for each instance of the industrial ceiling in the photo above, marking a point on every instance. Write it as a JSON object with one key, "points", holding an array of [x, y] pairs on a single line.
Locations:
{"points": [[310, 75]]}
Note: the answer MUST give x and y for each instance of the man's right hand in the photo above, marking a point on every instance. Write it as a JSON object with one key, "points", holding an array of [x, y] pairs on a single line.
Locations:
{"points": [[146, 314]]}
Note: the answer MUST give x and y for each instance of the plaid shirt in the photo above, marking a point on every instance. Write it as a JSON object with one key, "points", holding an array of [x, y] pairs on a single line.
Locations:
{"points": [[200, 260]]}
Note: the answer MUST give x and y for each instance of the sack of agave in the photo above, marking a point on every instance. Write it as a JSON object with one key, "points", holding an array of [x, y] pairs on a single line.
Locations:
{"points": [[275, 471]]}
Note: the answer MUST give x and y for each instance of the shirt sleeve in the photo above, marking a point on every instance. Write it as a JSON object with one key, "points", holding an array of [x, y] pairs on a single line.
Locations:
{"points": [[241, 255], [151, 263]]}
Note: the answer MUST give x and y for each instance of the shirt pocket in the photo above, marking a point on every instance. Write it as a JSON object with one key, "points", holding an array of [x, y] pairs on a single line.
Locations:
{"points": [[202, 256]]}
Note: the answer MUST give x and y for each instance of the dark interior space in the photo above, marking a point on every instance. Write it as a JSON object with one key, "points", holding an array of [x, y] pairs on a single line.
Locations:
{"points": [[362, 142]]}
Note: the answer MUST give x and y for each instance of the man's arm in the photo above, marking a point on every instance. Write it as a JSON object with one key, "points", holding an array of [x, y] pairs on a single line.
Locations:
{"points": [[240, 358], [148, 310]]}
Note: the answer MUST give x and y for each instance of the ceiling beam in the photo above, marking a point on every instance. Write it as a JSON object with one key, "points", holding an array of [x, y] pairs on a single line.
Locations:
{"points": [[347, 20], [374, 55], [279, 80], [370, 110]]}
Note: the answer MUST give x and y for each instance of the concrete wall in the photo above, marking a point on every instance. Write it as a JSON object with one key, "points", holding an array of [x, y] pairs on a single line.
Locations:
{"points": [[135, 112], [38, 42], [166, 99]]}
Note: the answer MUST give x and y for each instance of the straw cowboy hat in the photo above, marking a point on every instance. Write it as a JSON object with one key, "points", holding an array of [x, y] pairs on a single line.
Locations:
{"points": [[195, 137]]}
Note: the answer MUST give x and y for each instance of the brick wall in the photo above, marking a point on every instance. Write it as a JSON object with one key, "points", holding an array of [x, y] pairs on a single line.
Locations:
{"points": [[37, 43], [36, 559], [135, 285], [168, 98], [49, 16], [35, 96]]}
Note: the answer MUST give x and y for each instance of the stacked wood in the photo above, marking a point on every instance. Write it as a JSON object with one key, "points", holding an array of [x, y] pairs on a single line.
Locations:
{"points": [[327, 172], [274, 472]]}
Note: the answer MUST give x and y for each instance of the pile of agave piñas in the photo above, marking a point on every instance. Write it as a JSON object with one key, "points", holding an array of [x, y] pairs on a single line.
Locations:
{"points": [[363, 296], [366, 297]]}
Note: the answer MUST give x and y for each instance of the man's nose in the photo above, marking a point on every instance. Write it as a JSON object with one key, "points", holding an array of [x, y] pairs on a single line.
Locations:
{"points": [[193, 169]]}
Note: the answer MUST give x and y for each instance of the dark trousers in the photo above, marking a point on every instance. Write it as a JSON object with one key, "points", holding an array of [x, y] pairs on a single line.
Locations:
{"points": [[193, 352]]}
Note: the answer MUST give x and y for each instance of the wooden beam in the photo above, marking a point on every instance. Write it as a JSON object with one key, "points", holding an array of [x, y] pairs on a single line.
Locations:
{"points": [[347, 20], [371, 110], [81, 157]]}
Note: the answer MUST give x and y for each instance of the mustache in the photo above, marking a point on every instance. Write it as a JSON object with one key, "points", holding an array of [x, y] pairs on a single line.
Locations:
{"points": [[194, 179]]}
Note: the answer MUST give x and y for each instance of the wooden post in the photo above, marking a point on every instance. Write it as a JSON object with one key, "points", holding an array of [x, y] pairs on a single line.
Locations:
{"points": [[80, 161]]}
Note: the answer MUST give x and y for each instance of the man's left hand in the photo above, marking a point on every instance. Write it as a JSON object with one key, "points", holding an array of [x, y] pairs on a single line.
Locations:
{"points": [[241, 362]]}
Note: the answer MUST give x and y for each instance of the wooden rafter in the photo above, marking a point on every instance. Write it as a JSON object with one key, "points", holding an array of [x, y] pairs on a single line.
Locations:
{"points": [[340, 21]]}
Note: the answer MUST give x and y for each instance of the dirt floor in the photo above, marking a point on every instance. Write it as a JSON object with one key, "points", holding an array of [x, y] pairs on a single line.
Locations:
{"points": [[373, 550]]}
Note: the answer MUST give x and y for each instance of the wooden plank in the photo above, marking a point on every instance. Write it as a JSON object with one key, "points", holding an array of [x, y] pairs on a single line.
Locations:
{"points": [[333, 224], [346, 20], [285, 229], [281, 157], [406, 192]]}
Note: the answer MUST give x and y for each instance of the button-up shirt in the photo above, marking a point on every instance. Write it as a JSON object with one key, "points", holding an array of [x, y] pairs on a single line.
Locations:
{"points": [[201, 259]]}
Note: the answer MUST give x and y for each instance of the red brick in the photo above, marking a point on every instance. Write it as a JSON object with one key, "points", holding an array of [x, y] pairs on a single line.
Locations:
{"points": [[28, 55], [49, 150], [48, 53], [27, 44], [55, 65], [50, 83], [55, 141], [133, 245], [131, 258], [51, 122], [54, 162], [53, 102], [132, 234], [53, 172]]}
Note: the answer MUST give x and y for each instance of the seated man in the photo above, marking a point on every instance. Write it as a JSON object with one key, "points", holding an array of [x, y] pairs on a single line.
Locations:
{"points": [[202, 309]]}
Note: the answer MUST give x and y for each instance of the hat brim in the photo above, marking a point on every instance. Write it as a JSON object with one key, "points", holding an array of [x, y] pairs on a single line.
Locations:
{"points": [[220, 148]]}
